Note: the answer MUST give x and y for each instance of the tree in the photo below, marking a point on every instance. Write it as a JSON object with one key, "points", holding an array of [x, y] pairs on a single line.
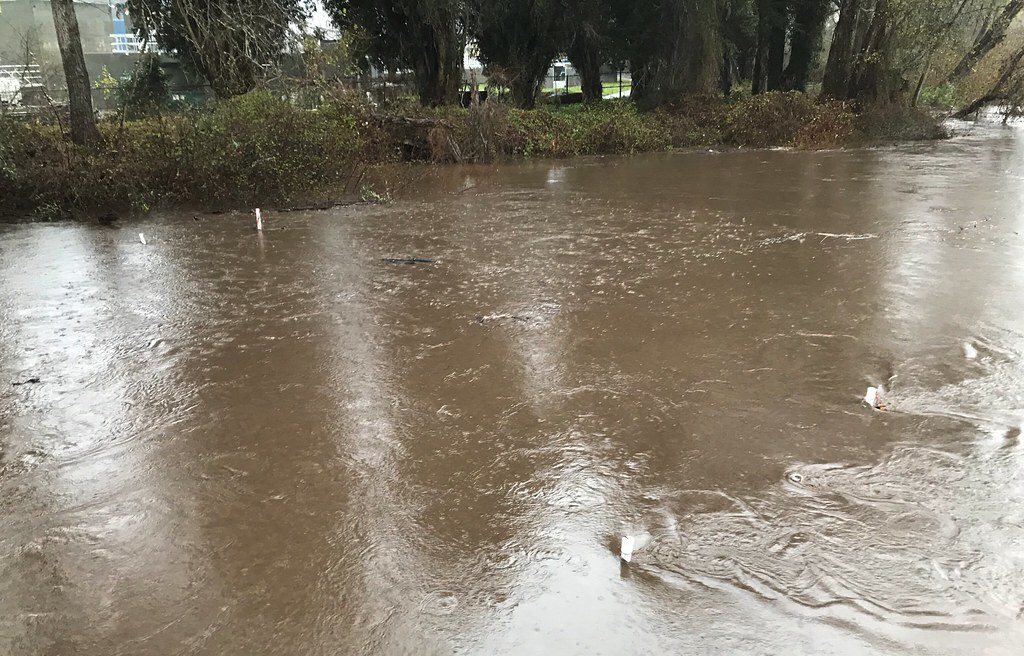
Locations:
{"points": [[1007, 86], [798, 23], [518, 40], [590, 26], [739, 41], [83, 120], [771, 45], [427, 37], [859, 61], [674, 47], [988, 39], [809, 18], [229, 42]]}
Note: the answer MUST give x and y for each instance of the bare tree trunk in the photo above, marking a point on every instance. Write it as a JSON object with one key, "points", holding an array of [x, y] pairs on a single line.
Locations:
{"points": [[987, 40], [805, 41], [836, 83], [586, 59], [83, 121], [776, 44], [439, 70], [759, 83], [872, 80]]}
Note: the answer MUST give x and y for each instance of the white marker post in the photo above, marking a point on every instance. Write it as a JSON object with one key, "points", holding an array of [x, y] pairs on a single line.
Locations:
{"points": [[259, 220], [626, 550], [142, 238], [871, 397]]}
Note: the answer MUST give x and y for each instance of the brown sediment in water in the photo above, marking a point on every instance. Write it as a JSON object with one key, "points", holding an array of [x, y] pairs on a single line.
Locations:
{"points": [[288, 444]]}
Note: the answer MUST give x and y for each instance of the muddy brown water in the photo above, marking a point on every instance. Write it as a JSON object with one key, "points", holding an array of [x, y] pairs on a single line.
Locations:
{"points": [[284, 444]]}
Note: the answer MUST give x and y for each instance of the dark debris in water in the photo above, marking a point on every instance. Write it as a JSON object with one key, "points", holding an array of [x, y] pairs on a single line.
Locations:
{"points": [[408, 260], [29, 381]]}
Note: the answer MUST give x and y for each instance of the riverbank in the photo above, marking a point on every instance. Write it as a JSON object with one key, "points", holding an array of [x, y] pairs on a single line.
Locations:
{"points": [[259, 148]]}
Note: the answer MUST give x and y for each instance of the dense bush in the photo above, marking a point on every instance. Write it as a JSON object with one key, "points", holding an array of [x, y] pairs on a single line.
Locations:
{"points": [[253, 147], [695, 120], [144, 89], [610, 127], [895, 123], [769, 119]]}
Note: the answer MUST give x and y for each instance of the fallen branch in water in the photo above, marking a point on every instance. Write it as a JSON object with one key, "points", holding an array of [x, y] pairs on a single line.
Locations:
{"points": [[329, 205], [999, 89]]}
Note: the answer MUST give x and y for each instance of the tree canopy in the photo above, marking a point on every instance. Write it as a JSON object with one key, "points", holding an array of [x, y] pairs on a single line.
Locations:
{"points": [[863, 51], [229, 42]]}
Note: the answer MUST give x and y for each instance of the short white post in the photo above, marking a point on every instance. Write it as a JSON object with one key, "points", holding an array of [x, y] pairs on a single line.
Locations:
{"points": [[626, 548], [259, 220]]}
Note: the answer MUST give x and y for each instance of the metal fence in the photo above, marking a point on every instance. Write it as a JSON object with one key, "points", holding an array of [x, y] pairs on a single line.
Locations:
{"points": [[21, 87]]}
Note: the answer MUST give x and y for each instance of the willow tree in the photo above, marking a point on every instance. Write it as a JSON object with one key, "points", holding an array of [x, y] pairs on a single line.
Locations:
{"points": [[229, 42], [69, 40], [517, 41], [793, 26], [805, 38], [771, 45], [425, 36], [674, 48], [589, 26], [738, 19], [858, 66]]}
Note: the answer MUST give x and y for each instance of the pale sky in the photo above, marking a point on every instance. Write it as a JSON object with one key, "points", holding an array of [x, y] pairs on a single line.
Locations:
{"points": [[319, 17]]}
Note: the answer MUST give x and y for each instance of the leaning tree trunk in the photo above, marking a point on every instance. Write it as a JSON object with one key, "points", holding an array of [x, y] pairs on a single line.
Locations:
{"points": [[83, 121], [995, 91], [986, 41]]}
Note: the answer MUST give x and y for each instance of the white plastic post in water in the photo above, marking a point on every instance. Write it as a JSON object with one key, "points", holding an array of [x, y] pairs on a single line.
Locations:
{"points": [[259, 220], [969, 351], [142, 238], [626, 550], [871, 397]]}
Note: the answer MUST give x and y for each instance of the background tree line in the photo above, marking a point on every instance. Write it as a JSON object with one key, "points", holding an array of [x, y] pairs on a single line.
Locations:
{"points": [[876, 50], [864, 51]]}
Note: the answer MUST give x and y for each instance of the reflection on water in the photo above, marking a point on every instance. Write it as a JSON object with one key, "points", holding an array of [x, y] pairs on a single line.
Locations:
{"points": [[285, 444]]}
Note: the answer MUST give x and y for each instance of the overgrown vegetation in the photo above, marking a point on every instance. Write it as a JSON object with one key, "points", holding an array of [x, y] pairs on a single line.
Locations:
{"points": [[261, 148], [247, 148]]}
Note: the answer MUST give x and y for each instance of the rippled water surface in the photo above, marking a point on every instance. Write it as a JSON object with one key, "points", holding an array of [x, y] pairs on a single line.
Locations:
{"points": [[284, 444]]}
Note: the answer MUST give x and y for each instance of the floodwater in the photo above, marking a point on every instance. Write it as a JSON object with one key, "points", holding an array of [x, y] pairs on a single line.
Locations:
{"points": [[284, 444]]}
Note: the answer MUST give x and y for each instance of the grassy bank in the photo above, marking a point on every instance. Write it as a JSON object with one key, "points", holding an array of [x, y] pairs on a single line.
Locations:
{"points": [[261, 149]]}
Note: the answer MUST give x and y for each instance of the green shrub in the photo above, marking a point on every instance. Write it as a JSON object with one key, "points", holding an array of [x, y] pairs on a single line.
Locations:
{"points": [[943, 96], [250, 148], [573, 130], [144, 89]]}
